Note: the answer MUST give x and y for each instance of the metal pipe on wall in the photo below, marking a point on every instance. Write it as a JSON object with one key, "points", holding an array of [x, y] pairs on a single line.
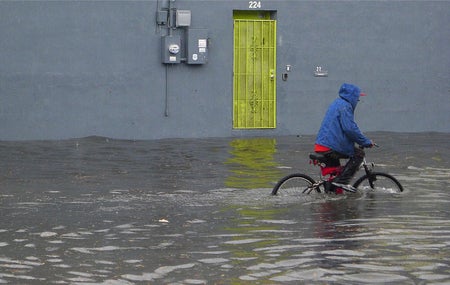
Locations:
{"points": [[167, 4]]}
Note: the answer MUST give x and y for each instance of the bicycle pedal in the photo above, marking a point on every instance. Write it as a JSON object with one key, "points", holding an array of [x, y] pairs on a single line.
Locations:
{"points": [[328, 187]]}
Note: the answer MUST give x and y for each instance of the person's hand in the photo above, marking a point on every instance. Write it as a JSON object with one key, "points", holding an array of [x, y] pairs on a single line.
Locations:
{"points": [[372, 144]]}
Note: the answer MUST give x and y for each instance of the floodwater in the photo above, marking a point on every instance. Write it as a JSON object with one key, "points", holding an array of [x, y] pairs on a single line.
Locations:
{"points": [[199, 211]]}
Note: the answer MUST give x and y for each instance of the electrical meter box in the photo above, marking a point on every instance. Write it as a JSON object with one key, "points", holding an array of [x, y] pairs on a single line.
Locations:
{"points": [[171, 49], [197, 46]]}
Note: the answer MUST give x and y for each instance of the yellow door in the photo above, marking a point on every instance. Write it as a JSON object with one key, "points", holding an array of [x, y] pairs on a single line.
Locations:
{"points": [[254, 78]]}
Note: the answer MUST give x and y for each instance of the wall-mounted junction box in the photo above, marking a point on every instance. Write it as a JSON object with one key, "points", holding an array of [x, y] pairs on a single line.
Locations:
{"points": [[161, 17], [183, 18], [197, 46]]}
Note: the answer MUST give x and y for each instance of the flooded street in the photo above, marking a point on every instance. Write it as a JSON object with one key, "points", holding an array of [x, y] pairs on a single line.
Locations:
{"points": [[199, 211]]}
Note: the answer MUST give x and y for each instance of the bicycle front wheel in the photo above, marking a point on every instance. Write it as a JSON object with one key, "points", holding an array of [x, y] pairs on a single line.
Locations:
{"points": [[379, 181], [295, 184]]}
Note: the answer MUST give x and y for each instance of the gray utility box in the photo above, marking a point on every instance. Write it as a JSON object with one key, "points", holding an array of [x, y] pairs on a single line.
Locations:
{"points": [[183, 18], [197, 46], [171, 49]]}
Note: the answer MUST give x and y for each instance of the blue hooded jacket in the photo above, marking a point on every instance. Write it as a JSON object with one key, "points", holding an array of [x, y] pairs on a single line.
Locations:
{"points": [[339, 130]]}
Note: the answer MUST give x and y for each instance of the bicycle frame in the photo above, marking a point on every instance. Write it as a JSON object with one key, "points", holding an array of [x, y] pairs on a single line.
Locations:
{"points": [[328, 173]]}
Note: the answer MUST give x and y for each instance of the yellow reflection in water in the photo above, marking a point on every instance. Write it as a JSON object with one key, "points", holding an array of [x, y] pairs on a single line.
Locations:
{"points": [[252, 163]]}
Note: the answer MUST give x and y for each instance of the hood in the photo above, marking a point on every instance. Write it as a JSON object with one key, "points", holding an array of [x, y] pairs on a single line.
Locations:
{"points": [[350, 93]]}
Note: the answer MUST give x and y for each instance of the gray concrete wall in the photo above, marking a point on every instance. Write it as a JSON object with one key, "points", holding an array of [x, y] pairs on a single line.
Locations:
{"points": [[79, 68]]}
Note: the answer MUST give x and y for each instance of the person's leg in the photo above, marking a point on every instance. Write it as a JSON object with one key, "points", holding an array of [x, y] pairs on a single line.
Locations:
{"points": [[333, 160], [351, 167]]}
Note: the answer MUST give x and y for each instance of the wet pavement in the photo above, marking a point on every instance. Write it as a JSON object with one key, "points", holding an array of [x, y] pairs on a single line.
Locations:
{"points": [[199, 211]]}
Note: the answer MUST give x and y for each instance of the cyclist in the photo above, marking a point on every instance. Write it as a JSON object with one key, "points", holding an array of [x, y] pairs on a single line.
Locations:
{"points": [[338, 134]]}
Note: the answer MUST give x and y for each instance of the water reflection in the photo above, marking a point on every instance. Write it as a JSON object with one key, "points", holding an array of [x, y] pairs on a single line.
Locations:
{"points": [[252, 163], [329, 217]]}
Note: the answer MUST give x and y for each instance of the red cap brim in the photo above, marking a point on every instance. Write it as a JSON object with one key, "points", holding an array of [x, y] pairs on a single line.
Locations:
{"points": [[362, 94]]}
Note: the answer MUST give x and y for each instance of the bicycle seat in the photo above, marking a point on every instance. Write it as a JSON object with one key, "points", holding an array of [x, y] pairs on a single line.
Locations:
{"points": [[317, 156]]}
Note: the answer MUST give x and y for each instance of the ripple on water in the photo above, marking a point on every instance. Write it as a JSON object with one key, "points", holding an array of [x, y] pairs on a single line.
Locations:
{"points": [[214, 260], [158, 273], [373, 277], [280, 264], [318, 274]]}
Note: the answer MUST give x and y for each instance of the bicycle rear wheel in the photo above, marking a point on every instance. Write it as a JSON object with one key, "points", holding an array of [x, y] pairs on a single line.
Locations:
{"points": [[295, 184], [379, 181]]}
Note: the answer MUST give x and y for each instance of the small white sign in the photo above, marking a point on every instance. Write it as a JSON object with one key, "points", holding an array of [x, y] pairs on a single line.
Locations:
{"points": [[194, 56], [202, 43]]}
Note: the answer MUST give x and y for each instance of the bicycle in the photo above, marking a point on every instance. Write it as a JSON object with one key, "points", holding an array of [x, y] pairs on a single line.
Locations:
{"points": [[305, 184]]}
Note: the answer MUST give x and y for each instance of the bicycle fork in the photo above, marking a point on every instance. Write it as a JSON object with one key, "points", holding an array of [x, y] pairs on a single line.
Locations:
{"points": [[371, 178]]}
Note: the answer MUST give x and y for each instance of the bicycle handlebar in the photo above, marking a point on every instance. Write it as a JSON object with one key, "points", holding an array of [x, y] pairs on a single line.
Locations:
{"points": [[373, 145]]}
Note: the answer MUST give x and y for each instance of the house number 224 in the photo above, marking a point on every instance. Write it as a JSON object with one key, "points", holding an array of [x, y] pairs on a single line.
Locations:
{"points": [[254, 4]]}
